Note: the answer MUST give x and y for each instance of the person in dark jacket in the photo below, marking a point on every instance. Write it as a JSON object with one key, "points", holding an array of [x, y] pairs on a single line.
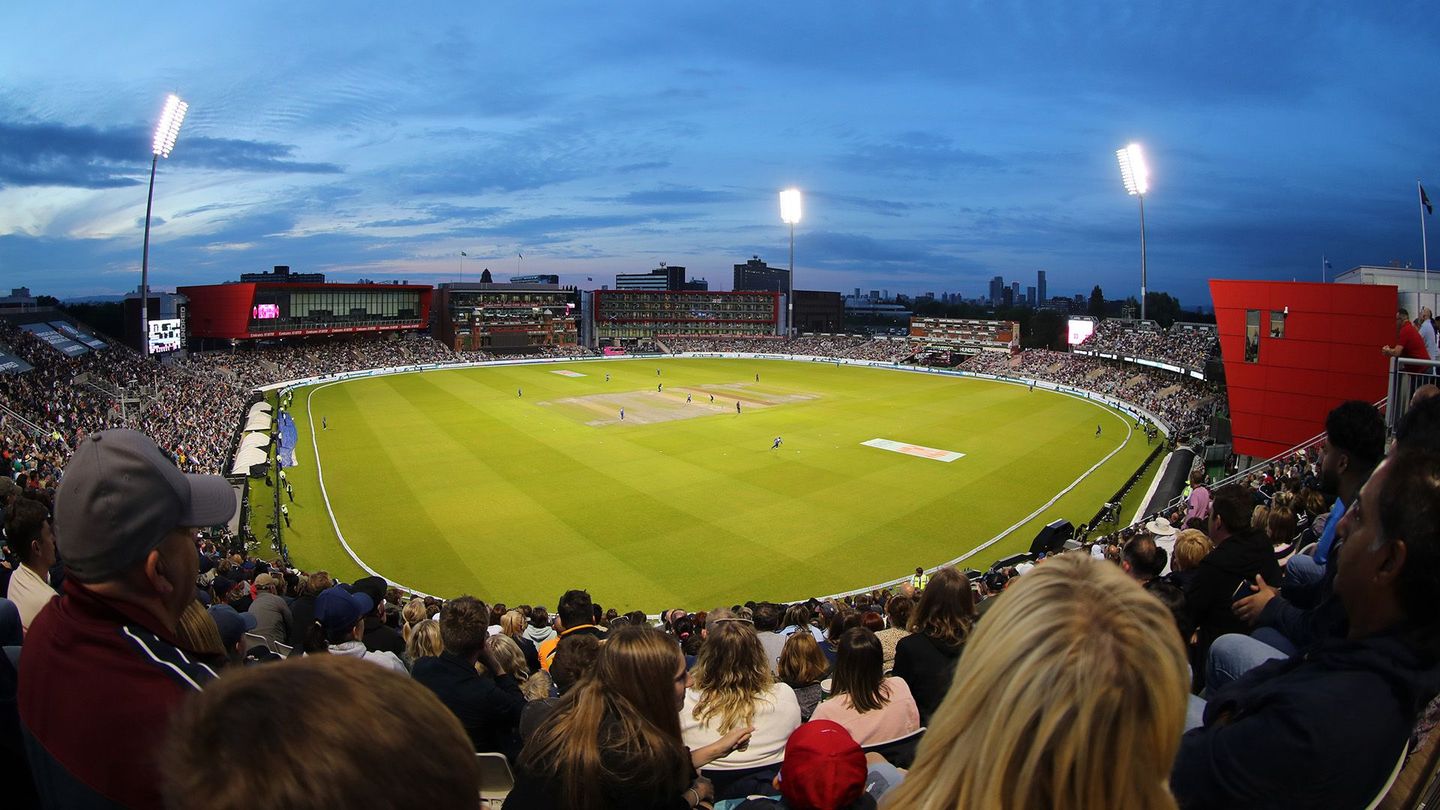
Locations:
{"points": [[379, 636], [302, 610], [1240, 555], [1324, 729], [939, 627], [488, 705]]}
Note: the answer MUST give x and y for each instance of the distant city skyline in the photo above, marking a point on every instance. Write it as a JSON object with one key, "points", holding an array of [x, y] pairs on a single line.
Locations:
{"points": [[937, 146]]}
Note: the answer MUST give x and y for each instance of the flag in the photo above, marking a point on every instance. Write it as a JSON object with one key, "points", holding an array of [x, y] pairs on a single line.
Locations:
{"points": [[1425, 201], [587, 278], [463, 253], [521, 255]]}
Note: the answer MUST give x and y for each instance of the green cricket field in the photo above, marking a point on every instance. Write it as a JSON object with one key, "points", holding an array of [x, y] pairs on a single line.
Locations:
{"points": [[659, 483]]}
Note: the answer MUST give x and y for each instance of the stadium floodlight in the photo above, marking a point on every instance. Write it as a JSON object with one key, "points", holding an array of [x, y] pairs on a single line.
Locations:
{"points": [[1135, 174], [790, 214], [165, 134]]}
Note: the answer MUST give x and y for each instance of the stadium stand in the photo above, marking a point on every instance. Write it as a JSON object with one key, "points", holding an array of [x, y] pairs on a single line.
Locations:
{"points": [[194, 409]]}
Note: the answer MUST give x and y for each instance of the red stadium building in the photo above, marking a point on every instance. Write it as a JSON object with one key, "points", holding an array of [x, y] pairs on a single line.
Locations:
{"points": [[1293, 351], [265, 310]]}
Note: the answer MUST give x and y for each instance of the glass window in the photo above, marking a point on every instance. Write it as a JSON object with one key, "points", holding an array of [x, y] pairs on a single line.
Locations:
{"points": [[1252, 335], [1277, 324]]}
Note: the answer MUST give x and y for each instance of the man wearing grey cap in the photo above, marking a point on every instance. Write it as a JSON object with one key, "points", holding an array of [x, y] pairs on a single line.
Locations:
{"points": [[102, 672]]}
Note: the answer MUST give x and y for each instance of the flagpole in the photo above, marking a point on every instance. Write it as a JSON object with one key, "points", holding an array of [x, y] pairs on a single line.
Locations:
{"points": [[1424, 248], [1323, 263]]}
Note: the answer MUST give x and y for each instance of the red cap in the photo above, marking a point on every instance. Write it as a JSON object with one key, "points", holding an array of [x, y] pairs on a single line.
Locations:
{"points": [[824, 768]]}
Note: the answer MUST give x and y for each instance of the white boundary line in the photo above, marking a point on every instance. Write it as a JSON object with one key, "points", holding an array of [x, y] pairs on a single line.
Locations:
{"points": [[1113, 410]]}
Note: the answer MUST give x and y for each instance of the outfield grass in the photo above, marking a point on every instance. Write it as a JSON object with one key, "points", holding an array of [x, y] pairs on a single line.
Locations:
{"points": [[452, 482]]}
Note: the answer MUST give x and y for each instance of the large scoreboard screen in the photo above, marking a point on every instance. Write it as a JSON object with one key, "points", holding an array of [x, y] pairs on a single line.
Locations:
{"points": [[1080, 328]]}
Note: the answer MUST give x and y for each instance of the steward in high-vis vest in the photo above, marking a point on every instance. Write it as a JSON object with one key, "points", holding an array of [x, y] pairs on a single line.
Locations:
{"points": [[920, 580]]}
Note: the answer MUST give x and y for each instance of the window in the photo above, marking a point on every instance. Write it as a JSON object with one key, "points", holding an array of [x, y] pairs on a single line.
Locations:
{"points": [[1277, 324], [1252, 335]]}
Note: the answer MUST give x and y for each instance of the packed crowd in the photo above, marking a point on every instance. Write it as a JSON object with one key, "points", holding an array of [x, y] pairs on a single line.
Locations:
{"points": [[1184, 403], [1226, 677], [1187, 348], [851, 347]]}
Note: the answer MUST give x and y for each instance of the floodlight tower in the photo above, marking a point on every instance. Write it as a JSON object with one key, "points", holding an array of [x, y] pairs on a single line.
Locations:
{"points": [[790, 214], [165, 134], [1136, 175]]}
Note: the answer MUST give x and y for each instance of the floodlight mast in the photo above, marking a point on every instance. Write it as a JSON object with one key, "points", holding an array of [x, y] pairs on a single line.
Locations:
{"points": [[165, 134], [790, 214], [1135, 174]]}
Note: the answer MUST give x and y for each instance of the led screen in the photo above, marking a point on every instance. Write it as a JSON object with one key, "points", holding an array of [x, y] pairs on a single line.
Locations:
{"points": [[263, 312], [1079, 330], [165, 336]]}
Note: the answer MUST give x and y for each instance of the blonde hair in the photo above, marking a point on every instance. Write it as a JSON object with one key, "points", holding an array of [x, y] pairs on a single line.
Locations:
{"points": [[1071, 693], [198, 633], [413, 613], [424, 641], [732, 674], [513, 623], [509, 656], [1191, 546]]}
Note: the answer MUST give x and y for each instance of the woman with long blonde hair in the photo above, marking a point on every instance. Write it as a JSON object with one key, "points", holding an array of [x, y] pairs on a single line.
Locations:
{"points": [[613, 740], [424, 642], [735, 688], [1071, 694]]}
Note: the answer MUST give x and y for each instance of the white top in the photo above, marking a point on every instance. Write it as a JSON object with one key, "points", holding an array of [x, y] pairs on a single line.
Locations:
{"points": [[30, 592], [1427, 334], [356, 649], [776, 715]]}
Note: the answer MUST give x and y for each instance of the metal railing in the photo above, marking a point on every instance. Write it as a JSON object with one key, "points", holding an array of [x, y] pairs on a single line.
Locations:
{"points": [[1406, 375]]}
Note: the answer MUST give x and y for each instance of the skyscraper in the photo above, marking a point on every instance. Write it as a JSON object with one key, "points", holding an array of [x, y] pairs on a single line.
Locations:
{"points": [[1030, 297], [996, 285], [1040, 288]]}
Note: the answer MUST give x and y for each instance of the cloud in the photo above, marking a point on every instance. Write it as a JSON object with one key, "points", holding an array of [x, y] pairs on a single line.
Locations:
{"points": [[48, 154], [915, 154], [675, 195]]}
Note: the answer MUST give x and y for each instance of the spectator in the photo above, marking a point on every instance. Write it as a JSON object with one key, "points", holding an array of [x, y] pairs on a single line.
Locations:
{"points": [[222, 753], [941, 623], [273, 619], [539, 630], [800, 616], [506, 651], [488, 705], [1324, 729], [31, 537], [102, 664], [339, 624], [1142, 559], [767, 627], [232, 627], [379, 636], [1197, 505], [734, 689], [302, 610], [512, 624], [577, 615], [1408, 342], [870, 706], [411, 615], [199, 636], [1191, 546], [897, 616], [824, 768], [425, 642], [802, 666], [1240, 555], [1071, 695], [615, 741]]}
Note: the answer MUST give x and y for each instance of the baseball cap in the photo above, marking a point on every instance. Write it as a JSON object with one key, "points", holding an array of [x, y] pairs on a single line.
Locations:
{"points": [[263, 580], [233, 624], [119, 497], [824, 768], [337, 608]]}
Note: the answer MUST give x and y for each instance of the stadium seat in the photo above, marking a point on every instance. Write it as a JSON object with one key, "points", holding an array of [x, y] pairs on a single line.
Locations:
{"points": [[900, 751], [256, 640], [496, 781], [283, 650]]}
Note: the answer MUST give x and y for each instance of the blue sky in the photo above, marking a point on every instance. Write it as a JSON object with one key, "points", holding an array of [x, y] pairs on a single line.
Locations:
{"points": [[937, 143]]}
